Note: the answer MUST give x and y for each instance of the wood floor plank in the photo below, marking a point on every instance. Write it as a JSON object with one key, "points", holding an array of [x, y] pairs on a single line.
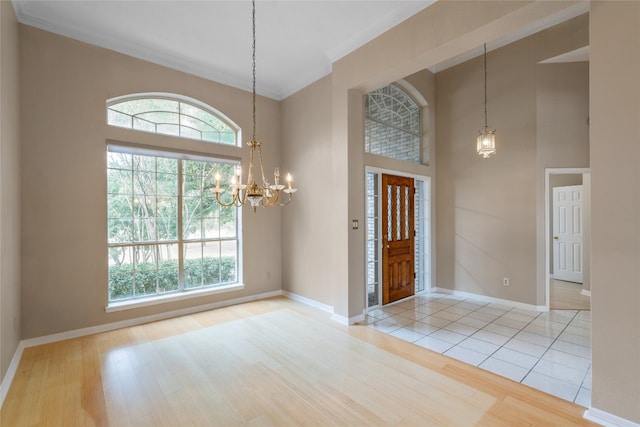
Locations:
{"points": [[266, 363]]}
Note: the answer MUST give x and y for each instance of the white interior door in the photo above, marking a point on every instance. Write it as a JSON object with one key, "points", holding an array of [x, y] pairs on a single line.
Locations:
{"points": [[568, 233]]}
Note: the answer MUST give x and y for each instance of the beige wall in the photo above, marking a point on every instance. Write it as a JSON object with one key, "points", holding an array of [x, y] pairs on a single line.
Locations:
{"points": [[563, 140], [307, 264], [9, 187], [487, 209], [64, 262], [615, 175]]}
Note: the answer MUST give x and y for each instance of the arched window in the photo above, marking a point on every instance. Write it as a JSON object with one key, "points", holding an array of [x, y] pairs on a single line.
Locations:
{"points": [[393, 124], [171, 115], [167, 236]]}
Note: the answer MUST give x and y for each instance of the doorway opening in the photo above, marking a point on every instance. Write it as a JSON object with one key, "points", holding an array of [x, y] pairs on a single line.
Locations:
{"points": [[380, 234], [567, 235]]}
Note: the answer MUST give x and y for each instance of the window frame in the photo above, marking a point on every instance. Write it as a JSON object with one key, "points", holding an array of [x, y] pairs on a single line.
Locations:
{"points": [[420, 121], [182, 292], [180, 99]]}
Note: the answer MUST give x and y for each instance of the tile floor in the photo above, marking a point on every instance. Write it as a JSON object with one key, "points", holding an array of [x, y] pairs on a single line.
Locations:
{"points": [[550, 351]]}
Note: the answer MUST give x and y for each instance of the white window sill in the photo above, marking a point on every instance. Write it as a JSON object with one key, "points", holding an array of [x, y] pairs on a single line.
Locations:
{"points": [[162, 299]]}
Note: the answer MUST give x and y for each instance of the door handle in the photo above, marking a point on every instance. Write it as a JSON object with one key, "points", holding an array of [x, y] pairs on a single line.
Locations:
{"points": [[555, 237], [386, 246]]}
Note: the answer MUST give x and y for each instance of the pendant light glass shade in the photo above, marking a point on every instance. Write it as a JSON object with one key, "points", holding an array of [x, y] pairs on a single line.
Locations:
{"points": [[486, 143]]}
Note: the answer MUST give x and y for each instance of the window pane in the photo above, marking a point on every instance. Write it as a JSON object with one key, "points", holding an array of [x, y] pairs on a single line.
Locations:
{"points": [[187, 132], [144, 125], [167, 184], [119, 181], [211, 263], [120, 230], [167, 219], [120, 273], [119, 161], [144, 163], [167, 129], [145, 282], [229, 254], [167, 165], [160, 117], [193, 265], [168, 268], [116, 118], [228, 228]]}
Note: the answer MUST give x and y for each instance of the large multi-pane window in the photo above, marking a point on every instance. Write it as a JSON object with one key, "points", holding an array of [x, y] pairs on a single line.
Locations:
{"points": [[393, 124], [166, 232]]}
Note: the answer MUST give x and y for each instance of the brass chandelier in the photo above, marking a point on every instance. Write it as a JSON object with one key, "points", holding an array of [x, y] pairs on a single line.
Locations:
{"points": [[264, 194], [486, 139]]}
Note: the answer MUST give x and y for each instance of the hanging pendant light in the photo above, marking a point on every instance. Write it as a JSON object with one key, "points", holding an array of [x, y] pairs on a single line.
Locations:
{"points": [[264, 194], [486, 140]]}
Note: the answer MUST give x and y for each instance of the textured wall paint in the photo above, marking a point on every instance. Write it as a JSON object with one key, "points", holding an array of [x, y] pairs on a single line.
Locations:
{"points": [[487, 209], [9, 187], [563, 138], [65, 86], [615, 207], [307, 268]]}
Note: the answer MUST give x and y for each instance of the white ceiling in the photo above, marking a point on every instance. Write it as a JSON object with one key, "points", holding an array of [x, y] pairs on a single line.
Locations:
{"points": [[297, 40]]}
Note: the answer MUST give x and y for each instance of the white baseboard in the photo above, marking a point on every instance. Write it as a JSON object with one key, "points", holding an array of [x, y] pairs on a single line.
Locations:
{"points": [[516, 304], [145, 319], [606, 419], [347, 321], [324, 307], [11, 373], [308, 301], [586, 292]]}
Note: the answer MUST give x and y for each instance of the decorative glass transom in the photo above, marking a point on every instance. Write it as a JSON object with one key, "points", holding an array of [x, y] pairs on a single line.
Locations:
{"points": [[175, 117], [392, 124]]}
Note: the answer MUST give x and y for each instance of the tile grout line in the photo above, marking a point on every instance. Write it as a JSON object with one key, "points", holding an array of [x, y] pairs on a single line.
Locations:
{"points": [[547, 350]]}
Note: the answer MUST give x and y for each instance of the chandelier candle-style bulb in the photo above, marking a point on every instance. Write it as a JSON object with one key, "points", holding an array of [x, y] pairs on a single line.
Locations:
{"points": [[217, 178], [290, 190]]}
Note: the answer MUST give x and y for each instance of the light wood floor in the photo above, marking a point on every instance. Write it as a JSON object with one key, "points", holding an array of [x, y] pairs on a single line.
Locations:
{"points": [[269, 363], [567, 296]]}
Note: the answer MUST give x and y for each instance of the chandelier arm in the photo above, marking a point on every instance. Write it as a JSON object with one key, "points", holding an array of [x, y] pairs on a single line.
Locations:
{"points": [[226, 205]]}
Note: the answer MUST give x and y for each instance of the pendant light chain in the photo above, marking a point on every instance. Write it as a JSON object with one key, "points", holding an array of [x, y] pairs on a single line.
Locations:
{"points": [[486, 125]]}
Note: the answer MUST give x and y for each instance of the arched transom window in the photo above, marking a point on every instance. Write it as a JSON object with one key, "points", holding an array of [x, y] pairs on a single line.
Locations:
{"points": [[392, 124], [174, 116]]}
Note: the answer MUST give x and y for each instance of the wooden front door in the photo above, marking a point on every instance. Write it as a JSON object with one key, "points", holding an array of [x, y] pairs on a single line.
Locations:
{"points": [[398, 279]]}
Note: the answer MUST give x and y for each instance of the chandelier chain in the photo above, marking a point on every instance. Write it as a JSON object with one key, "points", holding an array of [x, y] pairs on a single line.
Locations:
{"points": [[253, 46], [255, 194]]}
